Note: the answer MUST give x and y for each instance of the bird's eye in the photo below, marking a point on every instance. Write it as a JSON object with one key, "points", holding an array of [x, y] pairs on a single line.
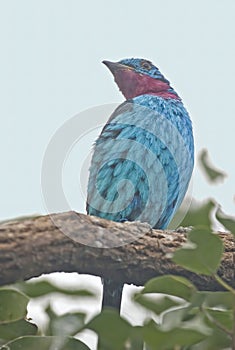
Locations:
{"points": [[146, 65]]}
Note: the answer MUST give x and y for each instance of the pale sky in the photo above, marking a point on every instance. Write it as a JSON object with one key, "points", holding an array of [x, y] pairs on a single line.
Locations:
{"points": [[51, 70]]}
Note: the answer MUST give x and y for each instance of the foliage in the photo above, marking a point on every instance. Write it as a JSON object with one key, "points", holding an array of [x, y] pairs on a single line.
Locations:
{"points": [[212, 174], [180, 316]]}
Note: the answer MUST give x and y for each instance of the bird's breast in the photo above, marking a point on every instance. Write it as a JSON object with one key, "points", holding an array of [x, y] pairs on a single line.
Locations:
{"points": [[142, 163]]}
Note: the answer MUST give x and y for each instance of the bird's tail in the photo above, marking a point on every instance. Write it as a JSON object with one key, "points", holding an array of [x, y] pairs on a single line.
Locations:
{"points": [[112, 293]]}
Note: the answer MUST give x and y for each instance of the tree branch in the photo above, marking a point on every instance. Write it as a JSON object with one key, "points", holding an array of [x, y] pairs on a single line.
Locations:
{"points": [[35, 246]]}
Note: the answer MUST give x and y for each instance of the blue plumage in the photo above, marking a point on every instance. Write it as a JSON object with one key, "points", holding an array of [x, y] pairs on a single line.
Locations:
{"points": [[144, 156], [151, 131]]}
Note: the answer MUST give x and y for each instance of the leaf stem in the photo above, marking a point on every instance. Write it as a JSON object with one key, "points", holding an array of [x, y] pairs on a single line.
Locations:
{"points": [[224, 284], [230, 289], [217, 323]]}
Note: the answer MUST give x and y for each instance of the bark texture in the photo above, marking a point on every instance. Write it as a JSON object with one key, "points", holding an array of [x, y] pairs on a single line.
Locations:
{"points": [[73, 242]]}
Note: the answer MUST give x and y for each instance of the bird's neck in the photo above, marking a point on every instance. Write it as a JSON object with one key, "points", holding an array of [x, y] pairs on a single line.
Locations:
{"points": [[170, 93], [133, 84]]}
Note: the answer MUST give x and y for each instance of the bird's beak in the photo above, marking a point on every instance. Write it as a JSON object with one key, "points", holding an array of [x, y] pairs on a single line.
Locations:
{"points": [[115, 66]]}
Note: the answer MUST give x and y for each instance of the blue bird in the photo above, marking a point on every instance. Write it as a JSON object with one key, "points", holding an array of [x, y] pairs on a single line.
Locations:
{"points": [[143, 159]]}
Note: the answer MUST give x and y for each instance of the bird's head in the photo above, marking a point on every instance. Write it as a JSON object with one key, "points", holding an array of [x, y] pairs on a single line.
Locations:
{"points": [[137, 76]]}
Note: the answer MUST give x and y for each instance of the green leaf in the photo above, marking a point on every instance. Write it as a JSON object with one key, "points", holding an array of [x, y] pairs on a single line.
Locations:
{"points": [[193, 318], [223, 317], [162, 340], [201, 254], [174, 318], [112, 329], [157, 304], [67, 325], [16, 329], [218, 340], [199, 214], [223, 300], [44, 343], [36, 289], [171, 285], [13, 305], [227, 221], [213, 175], [185, 318], [135, 340]]}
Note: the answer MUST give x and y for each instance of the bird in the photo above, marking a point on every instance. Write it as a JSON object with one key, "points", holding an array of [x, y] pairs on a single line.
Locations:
{"points": [[143, 159]]}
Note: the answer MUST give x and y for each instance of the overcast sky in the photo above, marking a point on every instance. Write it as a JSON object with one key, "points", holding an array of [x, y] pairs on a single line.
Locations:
{"points": [[51, 53]]}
